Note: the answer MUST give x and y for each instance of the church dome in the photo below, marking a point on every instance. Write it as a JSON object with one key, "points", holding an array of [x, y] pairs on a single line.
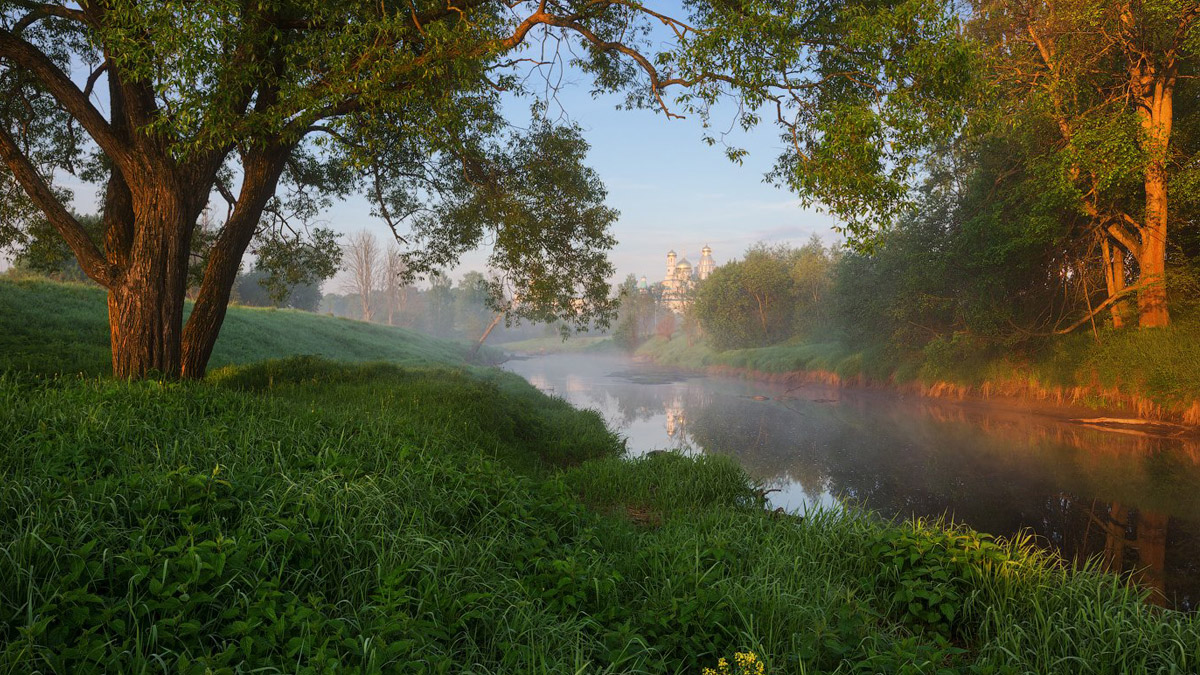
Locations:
{"points": [[684, 263]]}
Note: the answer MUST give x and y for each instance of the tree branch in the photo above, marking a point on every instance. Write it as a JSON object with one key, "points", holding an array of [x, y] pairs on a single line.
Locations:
{"points": [[29, 58], [1100, 308], [40, 11], [90, 258], [1118, 232]]}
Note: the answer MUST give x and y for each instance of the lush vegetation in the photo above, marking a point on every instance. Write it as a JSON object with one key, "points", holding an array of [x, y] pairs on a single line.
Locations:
{"points": [[372, 518], [321, 516], [944, 300], [273, 110], [1155, 374], [49, 327], [1059, 215]]}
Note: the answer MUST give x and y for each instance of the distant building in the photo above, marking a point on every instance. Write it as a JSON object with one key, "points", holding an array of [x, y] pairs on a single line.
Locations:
{"points": [[681, 277]]}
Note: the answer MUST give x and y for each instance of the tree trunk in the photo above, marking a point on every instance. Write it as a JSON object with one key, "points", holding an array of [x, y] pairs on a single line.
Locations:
{"points": [[1114, 278], [486, 333], [1155, 111], [224, 261], [1151, 545], [1114, 538], [145, 306], [365, 297]]}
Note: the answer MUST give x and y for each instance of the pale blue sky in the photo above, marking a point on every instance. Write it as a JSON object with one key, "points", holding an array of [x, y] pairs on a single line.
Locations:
{"points": [[672, 189]]}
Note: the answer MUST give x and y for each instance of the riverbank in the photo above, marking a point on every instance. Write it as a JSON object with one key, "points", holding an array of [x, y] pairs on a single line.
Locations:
{"points": [[574, 344], [308, 514], [1145, 375]]}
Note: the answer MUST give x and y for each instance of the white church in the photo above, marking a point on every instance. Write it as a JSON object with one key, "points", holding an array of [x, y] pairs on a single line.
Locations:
{"points": [[681, 277]]}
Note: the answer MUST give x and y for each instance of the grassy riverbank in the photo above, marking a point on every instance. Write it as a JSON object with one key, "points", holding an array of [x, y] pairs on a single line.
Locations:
{"points": [[318, 516], [48, 327], [1153, 374], [556, 345]]}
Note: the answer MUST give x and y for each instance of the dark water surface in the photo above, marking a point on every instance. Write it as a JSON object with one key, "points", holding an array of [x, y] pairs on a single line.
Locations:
{"points": [[1131, 499]]}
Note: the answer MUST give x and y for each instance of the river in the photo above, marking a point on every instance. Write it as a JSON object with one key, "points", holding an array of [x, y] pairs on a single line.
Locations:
{"points": [[1132, 500]]}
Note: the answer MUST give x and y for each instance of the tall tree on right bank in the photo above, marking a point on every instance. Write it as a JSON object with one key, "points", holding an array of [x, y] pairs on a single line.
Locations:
{"points": [[1098, 83]]}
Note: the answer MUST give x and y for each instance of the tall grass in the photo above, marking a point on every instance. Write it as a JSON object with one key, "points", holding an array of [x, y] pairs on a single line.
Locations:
{"points": [[310, 516]]}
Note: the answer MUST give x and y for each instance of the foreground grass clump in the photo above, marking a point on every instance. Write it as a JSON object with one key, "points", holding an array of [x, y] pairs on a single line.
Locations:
{"points": [[318, 517], [48, 327]]}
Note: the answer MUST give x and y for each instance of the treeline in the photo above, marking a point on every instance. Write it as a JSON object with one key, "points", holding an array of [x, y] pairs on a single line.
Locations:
{"points": [[1066, 202], [950, 283], [378, 289]]}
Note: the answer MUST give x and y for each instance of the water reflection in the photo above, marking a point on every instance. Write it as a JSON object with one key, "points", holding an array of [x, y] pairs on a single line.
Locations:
{"points": [[1132, 500]]}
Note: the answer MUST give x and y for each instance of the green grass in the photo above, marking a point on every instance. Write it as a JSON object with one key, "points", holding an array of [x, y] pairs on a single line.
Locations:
{"points": [[49, 328], [556, 345], [781, 358], [303, 515], [306, 515]]}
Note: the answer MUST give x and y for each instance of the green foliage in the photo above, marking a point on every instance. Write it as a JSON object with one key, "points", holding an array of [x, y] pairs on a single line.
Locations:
{"points": [[635, 315], [544, 209], [271, 532], [856, 114], [773, 293], [288, 264], [929, 572], [251, 290]]}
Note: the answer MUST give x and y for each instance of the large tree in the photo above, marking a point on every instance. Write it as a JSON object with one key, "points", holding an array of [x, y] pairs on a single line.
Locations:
{"points": [[275, 106], [1091, 89]]}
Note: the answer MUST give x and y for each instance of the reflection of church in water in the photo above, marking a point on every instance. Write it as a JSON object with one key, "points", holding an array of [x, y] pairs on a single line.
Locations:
{"points": [[676, 421], [678, 424], [681, 277]]}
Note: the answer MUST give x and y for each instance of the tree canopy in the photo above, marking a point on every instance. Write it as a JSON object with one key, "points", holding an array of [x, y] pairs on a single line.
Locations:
{"points": [[271, 109]]}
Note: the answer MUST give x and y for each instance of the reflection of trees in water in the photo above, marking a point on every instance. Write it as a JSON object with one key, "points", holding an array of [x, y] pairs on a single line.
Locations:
{"points": [[638, 403], [1086, 492], [1157, 551]]}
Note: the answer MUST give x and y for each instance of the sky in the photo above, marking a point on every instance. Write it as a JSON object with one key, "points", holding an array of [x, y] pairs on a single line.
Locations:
{"points": [[672, 190]]}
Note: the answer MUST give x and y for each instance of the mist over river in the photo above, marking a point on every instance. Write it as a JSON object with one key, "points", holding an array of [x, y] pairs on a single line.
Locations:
{"points": [[1131, 499]]}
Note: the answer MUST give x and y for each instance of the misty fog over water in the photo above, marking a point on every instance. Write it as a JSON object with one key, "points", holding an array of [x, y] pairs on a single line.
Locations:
{"points": [[1132, 500]]}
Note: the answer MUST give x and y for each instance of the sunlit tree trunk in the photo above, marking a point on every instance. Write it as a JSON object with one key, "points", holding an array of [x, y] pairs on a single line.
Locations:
{"points": [[488, 331], [261, 176], [1154, 90], [145, 304], [1114, 279]]}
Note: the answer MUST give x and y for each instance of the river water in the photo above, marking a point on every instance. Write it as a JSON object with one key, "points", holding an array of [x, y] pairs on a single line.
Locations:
{"points": [[1132, 500]]}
